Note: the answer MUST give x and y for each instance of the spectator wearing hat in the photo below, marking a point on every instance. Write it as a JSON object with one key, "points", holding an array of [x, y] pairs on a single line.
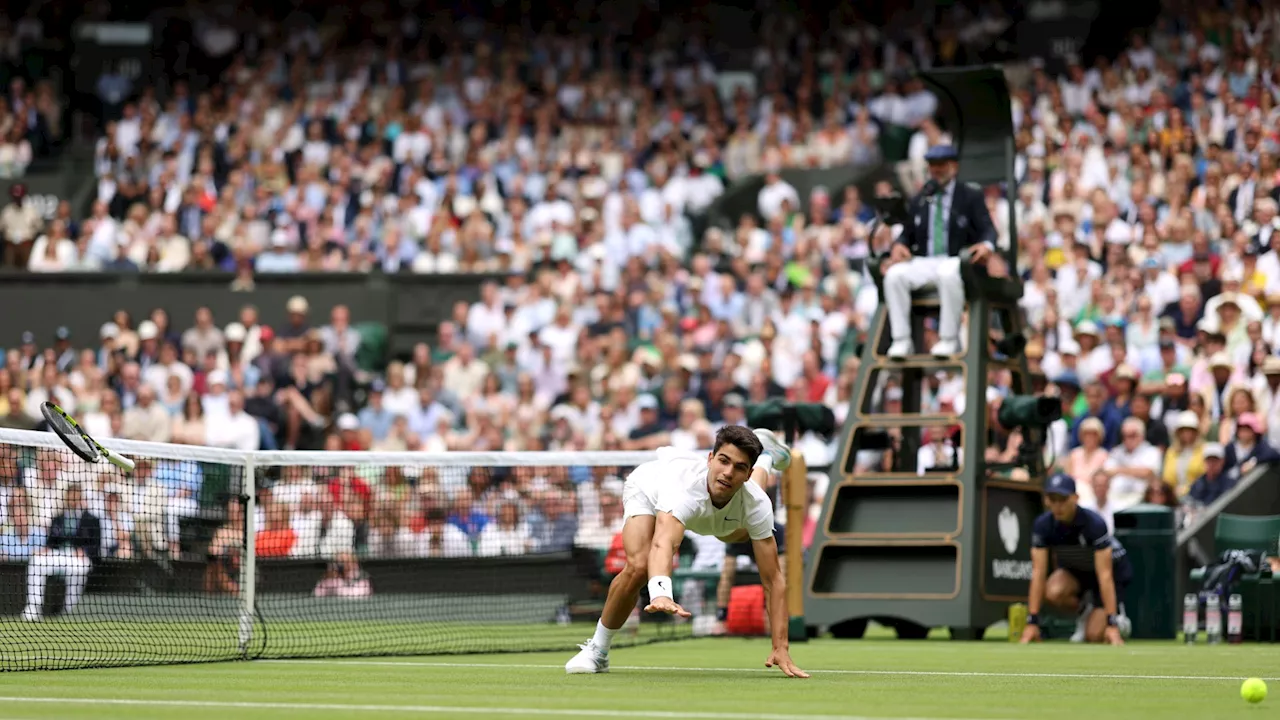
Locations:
{"points": [[948, 218], [1249, 447], [1121, 383], [1088, 454], [1095, 358], [348, 426], [148, 344], [1214, 376], [1216, 481], [1184, 460], [648, 424], [295, 329]]}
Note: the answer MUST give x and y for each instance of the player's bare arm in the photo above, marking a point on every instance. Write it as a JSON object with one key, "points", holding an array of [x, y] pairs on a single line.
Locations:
{"points": [[1035, 599], [775, 592], [1102, 563], [666, 538]]}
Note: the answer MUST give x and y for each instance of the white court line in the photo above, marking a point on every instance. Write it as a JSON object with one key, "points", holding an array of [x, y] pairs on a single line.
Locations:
{"points": [[435, 709], [913, 673]]}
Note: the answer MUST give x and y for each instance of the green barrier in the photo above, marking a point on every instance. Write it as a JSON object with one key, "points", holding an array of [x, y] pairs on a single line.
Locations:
{"points": [[1150, 538]]}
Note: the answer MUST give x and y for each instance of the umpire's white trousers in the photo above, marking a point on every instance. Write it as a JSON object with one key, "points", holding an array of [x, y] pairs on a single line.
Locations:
{"points": [[71, 565], [918, 273]]}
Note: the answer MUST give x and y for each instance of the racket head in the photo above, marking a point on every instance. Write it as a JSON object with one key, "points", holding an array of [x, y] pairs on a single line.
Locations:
{"points": [[62, 425]]}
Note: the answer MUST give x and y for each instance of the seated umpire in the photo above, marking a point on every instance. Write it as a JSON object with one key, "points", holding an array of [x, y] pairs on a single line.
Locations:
{"points": [[1092, 568], [947, 218]]}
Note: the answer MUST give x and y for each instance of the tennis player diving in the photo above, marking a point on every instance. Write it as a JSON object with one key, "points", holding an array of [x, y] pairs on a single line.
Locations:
{"points": [[719, 494]]}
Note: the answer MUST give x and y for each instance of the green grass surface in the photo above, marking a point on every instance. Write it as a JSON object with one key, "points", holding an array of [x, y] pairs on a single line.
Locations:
{"points": [[80, 641], [707, 678]]}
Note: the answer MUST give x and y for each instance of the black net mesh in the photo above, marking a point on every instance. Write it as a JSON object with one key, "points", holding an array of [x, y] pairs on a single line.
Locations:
{"points": [[386, 559], [102, 568]]}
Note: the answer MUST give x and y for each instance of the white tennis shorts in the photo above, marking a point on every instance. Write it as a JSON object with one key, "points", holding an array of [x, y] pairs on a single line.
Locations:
{"points": [[635, 501]]}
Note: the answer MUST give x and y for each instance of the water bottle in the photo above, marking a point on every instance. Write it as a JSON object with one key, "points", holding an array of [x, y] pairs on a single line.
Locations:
{"points": [[1213, 619], [1190, 618], [1235, 618], [1017, 621]]}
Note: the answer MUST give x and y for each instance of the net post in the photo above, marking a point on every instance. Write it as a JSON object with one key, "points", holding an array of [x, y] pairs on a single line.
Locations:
{"points": [[249, 563], [795, 488]]}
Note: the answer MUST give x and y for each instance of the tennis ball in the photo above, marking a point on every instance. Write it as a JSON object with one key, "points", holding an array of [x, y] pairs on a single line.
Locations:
{"points": [[1253, 690]]}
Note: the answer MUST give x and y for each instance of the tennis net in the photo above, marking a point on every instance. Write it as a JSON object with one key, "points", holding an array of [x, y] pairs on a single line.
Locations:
{"points": [[203, 554]]}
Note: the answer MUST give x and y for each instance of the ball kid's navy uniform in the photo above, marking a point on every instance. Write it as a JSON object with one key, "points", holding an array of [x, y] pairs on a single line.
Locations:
{"points": [[1073, 546]]}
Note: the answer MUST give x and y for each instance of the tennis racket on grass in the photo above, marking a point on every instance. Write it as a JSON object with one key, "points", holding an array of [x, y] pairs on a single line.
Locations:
{"points": [[78, 440]]}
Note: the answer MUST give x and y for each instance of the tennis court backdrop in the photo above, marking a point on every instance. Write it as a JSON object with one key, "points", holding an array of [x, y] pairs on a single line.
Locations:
{"points": [[335, 554]]}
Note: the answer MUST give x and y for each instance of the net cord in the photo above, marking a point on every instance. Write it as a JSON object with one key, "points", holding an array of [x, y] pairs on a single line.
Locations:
{"points": [[323, 458]]}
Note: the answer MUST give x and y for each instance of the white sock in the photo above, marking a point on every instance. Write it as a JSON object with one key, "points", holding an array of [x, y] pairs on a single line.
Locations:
{"points": [[603, 637]]}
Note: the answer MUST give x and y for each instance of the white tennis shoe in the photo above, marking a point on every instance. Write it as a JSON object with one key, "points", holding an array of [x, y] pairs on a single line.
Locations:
{"points": [[777, 451], [589, 660]]}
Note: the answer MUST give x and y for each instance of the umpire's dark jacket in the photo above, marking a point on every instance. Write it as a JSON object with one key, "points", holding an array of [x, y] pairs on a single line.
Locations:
{"points": [[968, 222], [87, 536]]}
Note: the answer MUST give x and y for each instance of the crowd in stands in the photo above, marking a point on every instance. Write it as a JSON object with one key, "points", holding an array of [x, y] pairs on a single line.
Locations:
{"points": [[1146, 208], [32, 109]]}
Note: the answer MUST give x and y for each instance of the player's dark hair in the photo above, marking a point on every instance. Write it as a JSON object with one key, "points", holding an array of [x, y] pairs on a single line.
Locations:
{"points": [[741, 438]]}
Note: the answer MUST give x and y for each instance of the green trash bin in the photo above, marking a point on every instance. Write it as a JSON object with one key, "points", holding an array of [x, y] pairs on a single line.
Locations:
{"points": [[1150, 539]]}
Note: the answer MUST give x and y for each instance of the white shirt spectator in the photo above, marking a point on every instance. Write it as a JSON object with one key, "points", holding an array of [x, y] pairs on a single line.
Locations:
{"points": [[771, 196], [1127, 491], [495, 540], [238, 431]]}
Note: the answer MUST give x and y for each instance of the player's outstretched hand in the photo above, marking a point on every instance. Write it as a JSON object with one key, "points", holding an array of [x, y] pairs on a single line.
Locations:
{"points": [[668, 606], [782, 659], [1031, 634], [1112, 636]]}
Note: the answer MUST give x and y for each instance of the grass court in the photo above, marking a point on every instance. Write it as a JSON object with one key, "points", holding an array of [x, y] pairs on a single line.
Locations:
{"points": [[710, 679]]}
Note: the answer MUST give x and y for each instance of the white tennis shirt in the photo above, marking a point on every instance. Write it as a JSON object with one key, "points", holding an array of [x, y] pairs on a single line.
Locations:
{"points": [[676, 483]]}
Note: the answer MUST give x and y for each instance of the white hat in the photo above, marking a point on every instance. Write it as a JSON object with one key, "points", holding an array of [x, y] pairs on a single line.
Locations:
{"points": [[280, 238], [147, 330], [235, 332], [1067, 346], [1220, 359], [1186, 420], [1087, 327], [297, 304], [347, 421], [110, 331]]}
